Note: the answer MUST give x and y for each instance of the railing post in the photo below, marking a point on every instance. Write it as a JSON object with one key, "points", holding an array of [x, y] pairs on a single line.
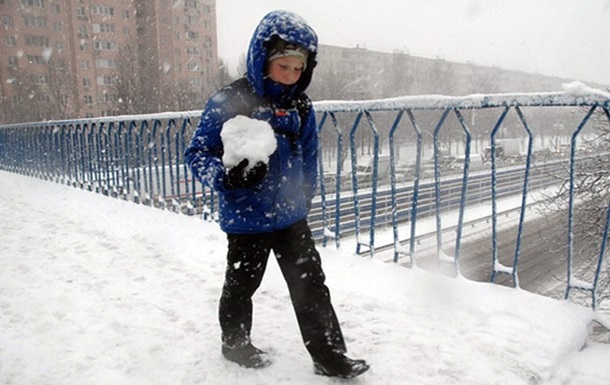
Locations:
{"points": [[458, 237], [416, 177], [437, 185], [397, 249], [528, 161], [321, 180], [496, 268], [353, 150]]}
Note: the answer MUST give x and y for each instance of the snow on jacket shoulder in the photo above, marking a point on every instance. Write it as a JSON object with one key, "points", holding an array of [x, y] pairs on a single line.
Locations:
{"points": [[284, 196]]}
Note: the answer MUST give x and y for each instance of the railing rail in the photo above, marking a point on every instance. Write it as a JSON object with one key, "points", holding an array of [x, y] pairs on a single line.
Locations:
{"points": [[139, 158]]}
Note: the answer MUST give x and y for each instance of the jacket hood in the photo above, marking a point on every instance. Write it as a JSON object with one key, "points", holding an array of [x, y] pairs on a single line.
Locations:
{"points": [[289, 27]]}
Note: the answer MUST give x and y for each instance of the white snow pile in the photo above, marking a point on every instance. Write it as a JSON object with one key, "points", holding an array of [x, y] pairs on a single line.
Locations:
{"points": [[577, 88], [100, 291], [246, 138]]}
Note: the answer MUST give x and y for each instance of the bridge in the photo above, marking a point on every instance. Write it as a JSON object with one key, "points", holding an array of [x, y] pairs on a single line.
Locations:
{"points": [[436, 170]]}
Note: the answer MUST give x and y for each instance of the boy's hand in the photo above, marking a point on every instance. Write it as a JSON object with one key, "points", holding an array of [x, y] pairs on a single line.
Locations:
{"points": [[237, 177]]}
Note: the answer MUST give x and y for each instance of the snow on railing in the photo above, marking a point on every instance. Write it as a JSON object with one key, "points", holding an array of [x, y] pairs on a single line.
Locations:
{"points": [[573, 94], [139, 158]]}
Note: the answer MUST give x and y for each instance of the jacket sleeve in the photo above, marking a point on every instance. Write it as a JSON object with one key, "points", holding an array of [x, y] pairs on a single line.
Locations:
{"points": [[310, 155], [204, 153]]}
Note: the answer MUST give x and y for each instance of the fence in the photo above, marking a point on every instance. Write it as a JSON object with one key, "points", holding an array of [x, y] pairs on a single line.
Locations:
{"points": [[380, 179]]}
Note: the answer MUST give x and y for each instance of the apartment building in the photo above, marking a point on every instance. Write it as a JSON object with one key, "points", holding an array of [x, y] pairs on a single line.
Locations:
{"points": [[357, 73], [83, 58]]}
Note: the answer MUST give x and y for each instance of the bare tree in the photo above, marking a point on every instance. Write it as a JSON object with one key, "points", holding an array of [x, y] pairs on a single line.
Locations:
{"points": [[62, 88], [224, 77], [242, 65], [22, 105], [591, 200], [128, 85]]}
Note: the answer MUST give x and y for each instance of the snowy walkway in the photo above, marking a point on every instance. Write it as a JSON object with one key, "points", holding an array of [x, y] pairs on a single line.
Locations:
{"points": [[100, 291]]}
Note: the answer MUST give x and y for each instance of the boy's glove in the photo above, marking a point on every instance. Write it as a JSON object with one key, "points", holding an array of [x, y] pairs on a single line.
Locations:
{"points": [[237, 177]]}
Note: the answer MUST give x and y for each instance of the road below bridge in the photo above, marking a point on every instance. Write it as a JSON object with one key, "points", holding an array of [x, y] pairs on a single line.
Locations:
{"points": [[542, 265]]}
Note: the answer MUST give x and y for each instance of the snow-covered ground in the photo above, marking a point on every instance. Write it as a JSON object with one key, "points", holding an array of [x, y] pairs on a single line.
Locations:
{"points": [[101, 291]]}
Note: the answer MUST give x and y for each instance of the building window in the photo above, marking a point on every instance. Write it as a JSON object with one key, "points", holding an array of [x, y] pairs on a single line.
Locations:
{"points": [[80, 12], [57, 26], [87, 84], [104, 97], [192, 35], [40, 79], [33, 3], [106, 80], [55, 8], [12, 61], [85, 64], [43, 98], [191, 19], [126, 31], [103, 28], [192, 51], [6, 20], [126, 14], [34, 21], [191, 4], [196, 82], [193, 67], [104, 46], [10, 40], [82, 32], [35, 59], [105, 63], [88, 99], [102, 10], [36, 41]]}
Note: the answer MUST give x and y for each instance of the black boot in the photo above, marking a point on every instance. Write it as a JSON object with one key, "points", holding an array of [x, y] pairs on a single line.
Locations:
{"points": [[340, 366], [247, 356]]}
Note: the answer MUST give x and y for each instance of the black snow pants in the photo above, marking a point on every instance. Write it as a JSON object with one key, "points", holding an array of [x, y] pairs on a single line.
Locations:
{"points": [[301, 267]]}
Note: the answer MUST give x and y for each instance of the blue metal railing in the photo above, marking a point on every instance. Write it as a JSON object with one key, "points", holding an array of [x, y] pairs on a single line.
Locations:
{"points": [[139, 158]]}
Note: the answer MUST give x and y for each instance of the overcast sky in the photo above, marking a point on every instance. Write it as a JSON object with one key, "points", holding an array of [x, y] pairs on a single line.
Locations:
{"points": [[565, 38]]}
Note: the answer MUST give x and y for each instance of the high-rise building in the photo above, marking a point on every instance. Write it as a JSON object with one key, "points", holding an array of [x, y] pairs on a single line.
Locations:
{"points": [[82, 58]]}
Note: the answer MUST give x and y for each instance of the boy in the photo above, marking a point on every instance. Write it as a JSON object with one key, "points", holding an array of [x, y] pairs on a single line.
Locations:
{"points": [[264, 207]]}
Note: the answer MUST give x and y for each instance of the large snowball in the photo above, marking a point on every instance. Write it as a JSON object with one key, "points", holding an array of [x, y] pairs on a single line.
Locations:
{"points": [[246, 138]]}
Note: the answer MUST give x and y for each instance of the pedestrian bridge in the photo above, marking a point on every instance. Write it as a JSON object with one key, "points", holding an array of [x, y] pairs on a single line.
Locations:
{"points": [[393, 173]]}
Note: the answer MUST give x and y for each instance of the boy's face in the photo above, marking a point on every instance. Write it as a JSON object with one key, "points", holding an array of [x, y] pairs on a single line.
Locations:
{"points": [[285, 70]]}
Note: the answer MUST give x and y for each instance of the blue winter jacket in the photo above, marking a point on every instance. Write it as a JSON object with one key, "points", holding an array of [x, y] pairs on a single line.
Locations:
{"points": [[284, 196]]}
